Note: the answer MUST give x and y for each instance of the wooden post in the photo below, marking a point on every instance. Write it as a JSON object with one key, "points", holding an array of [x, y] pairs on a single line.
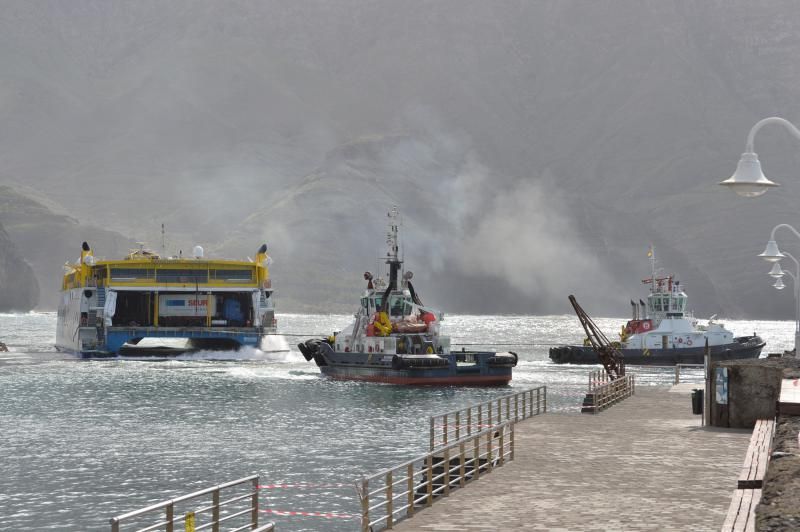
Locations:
{"points": [[516, 407], [365, 505], [545, 398], [461, 469], [433, 433], [476, 458], [511, 434], [430, 479], [705, 419], [677, 379], [215, 511], [480, 418], [508, 408], [469, 420], [502, 447], [444, 429], [458, 425], [170, 517], [254, 503], [446, 462], [410, 487], [389, 500], [489, 450]]}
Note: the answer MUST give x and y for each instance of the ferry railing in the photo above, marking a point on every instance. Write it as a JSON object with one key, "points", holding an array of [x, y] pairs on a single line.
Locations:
{"points": [[454, 425], [396, 493], [237, 512], [605, 392]]}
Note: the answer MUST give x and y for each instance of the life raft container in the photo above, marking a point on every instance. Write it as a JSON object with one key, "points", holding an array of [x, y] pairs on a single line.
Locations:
{"points": [[418, 362], [503, 360]]}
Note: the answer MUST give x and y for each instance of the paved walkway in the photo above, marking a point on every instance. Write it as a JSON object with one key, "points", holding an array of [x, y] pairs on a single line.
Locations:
{"points": [[644, 464]]}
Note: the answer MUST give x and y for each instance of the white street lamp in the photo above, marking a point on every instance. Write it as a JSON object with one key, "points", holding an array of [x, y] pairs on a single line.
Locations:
{"points": [[774, 255], [776, 271], [748, 180]]}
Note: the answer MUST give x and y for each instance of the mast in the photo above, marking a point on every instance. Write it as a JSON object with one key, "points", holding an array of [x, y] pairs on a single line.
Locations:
{"points": [[392, 255]]}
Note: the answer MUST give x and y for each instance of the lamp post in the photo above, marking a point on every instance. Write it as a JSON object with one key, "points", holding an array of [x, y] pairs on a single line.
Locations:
{"points": [[748, 180], [773, 254]]}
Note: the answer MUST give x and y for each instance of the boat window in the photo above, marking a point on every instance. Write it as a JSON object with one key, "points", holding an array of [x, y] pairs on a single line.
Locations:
{"points": [[182, 276], [129, 274], [233, 275], [408, 309], [378, 302], [365, 303], [396, 304]]}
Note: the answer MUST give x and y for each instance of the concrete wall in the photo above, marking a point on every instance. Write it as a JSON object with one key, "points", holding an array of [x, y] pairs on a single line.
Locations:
{"points": [[753, 390]]}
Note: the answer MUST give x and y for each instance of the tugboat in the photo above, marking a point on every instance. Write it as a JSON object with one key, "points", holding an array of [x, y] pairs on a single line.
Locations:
{"points": [[396, 339], [108, 307], [665, 334]]}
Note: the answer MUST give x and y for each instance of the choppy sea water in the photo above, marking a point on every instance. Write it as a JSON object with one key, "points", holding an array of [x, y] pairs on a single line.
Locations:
{"points": [[82, 441]]}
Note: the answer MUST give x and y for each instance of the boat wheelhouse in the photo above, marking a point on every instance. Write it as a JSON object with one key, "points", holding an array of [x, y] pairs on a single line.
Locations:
{"points": [[108, 307]]}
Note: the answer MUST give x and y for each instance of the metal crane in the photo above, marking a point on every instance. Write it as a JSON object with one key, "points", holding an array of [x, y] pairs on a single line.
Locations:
{"points": [[613, 361]]}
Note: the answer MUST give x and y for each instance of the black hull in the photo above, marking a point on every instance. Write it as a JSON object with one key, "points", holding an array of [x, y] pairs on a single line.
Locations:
{"points": [[455, 369], [742, 347]]}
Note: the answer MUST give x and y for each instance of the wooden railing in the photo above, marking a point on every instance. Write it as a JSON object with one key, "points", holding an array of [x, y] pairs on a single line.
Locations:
{"points": [[605, 392], [396, 493], [452, 426], [238, 510]]}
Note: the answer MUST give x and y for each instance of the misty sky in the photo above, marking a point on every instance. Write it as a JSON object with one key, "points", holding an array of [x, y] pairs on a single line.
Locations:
{"points": [[535, 149]]}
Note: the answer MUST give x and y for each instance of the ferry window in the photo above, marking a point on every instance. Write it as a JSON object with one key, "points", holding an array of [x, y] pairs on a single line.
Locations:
{"points": [[378, 302], [657, 304], [407, 309], [182, 276], [233, 275], [364, 303], [130, 273]]}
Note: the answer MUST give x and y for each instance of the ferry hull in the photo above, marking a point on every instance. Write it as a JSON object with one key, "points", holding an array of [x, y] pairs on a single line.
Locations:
{"points": [[454, 369], [743, 347]]}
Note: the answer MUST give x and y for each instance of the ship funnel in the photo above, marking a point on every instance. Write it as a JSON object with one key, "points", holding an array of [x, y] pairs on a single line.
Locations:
{"points": [[86, 251], [197, 252], [261, 255]]}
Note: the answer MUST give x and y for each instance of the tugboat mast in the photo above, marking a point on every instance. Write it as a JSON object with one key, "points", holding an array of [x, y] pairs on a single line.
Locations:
{"points": [[392, 256]]}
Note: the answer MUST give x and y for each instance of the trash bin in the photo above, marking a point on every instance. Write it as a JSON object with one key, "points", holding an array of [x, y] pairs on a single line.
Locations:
{"points": [[697, 402]]}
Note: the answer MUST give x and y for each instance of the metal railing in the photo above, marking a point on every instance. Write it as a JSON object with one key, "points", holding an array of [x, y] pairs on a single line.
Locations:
{"points": [[606, 392], [239, 510], [396, 493], [681, 373], [452, 426]]}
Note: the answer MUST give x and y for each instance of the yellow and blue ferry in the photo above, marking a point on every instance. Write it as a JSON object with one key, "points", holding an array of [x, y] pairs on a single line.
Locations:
{"points": [[108, 307]]}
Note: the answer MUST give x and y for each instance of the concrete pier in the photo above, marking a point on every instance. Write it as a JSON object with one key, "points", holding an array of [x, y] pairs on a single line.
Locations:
{"points": [[645, 464]]}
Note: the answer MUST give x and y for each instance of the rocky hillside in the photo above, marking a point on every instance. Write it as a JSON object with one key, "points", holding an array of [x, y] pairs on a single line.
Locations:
{"points": [[19, 290], [47, 239]]}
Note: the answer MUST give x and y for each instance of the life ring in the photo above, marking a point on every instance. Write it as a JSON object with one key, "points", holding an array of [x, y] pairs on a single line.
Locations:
{"points": [[646, 325], [688, 342], [680, 340]]}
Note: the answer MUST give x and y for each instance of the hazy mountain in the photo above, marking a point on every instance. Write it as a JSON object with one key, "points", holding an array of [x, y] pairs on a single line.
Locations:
{"points": [[19, 290], [47, 240], [535, 149]]}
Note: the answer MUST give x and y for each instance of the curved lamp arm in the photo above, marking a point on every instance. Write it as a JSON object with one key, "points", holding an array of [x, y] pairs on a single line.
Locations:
{"points": [[771, 120], [787, 226]]}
